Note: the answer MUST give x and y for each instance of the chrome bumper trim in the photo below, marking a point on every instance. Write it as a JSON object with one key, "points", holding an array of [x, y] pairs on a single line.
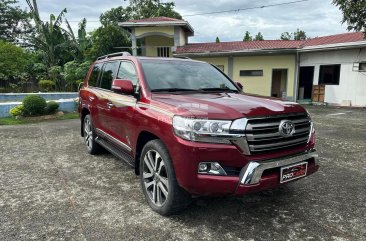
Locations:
{"points": [[252, 172]]}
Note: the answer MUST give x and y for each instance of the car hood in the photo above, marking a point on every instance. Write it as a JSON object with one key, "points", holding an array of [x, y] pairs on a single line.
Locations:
{"points": [[225, 105]]}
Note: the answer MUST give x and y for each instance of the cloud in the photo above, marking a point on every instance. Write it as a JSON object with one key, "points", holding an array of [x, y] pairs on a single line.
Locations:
{"points": [[316, 18]]}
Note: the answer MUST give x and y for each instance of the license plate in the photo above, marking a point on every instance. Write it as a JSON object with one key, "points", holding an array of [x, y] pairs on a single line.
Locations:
{"points": [[289, 173]]}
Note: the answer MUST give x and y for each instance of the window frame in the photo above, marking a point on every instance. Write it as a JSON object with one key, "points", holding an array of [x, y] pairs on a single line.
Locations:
{"points": [[164, 50], [133, 65], [101, 75], [241, 73], [98, 77]]}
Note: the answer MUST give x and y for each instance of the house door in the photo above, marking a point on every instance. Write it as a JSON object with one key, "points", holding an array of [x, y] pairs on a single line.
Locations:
{"points": [[279, 83], [306, 78]]}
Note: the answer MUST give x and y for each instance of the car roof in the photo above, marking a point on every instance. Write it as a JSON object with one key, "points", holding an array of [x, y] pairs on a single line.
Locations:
{"points": [[145, 58]]}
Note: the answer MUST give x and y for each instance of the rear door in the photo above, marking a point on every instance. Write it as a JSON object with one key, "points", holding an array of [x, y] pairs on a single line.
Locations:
{"points": [[105, 95]]}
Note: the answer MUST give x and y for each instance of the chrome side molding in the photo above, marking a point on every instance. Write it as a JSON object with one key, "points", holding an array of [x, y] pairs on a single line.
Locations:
{"points": [[112, 139], [252, 172]]}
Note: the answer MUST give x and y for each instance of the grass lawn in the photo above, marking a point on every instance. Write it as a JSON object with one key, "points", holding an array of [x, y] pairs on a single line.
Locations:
{"points": [[12, 121]]}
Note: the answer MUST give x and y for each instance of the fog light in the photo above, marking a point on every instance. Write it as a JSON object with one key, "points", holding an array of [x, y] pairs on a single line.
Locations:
{"points": [[202, 167], [211, 168]]}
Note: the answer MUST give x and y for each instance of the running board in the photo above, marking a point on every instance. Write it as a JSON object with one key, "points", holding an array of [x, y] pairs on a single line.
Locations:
{"points": [[116, 152]]}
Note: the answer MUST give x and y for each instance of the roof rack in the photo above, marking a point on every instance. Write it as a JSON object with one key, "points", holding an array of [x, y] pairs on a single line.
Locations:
{"points": [[182, 57], [114, 55]]}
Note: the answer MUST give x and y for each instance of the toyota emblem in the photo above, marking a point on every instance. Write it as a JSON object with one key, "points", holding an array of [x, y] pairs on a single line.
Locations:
{"points": [[286, 128]]}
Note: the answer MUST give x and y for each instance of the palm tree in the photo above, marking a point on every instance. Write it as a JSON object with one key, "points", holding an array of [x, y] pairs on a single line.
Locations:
{"points": [[50, 38]]}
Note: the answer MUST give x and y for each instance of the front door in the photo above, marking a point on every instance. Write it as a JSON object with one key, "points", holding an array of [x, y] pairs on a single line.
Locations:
{"points": [[122, 122], [306, 78]]}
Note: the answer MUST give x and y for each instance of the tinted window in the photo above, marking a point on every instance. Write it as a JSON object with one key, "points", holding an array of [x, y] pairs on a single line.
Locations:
{"points": [[165, 74], [109, 73], [93, 79], [329, 74], [127, 71]]}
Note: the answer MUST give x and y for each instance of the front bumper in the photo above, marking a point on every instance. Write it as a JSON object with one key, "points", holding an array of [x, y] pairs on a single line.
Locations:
{"points": [[255, 173]]}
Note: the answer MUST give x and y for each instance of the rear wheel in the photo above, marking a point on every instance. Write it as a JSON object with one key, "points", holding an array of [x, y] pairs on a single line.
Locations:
{"points": [[158, 180], [89, 137]]}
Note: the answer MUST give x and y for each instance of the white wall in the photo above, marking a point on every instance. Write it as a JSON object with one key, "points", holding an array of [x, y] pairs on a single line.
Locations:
{"points": [[352, 84]]}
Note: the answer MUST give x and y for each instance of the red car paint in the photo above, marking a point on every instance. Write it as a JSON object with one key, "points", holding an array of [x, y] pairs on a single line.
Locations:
{"points": [[153, 113]]}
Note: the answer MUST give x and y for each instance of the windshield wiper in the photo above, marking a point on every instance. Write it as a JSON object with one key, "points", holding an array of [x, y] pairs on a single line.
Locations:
{"points": [[219, 89], [172, 90]]}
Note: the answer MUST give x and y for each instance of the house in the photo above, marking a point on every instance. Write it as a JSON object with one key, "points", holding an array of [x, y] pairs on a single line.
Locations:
{"points": [[330, 69]]}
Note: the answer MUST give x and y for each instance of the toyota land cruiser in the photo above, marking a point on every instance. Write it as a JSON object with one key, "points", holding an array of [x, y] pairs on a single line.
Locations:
{"points": [[189, 130]]}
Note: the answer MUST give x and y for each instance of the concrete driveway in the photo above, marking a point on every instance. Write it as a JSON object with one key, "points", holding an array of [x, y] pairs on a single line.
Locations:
{"points": [[51, 189]]}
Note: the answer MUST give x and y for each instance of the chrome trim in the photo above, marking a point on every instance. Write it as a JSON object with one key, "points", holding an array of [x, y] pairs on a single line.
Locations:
{"points": [[112, 139], [252, 172]]}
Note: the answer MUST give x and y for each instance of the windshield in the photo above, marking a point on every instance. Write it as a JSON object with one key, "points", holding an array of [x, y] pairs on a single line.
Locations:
{"points": [[176, 75]]}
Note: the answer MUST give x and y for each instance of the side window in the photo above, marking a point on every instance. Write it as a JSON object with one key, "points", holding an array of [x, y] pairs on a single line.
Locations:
{"points": [[109, 73], [127, 71], [93, 78]]}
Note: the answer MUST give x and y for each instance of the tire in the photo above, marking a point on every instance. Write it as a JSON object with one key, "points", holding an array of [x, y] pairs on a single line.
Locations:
{"points": [[89, 137], [158, 181]]}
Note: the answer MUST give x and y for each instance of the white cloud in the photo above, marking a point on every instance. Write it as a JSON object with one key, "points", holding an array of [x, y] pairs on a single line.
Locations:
{"points": [[316, 18]]}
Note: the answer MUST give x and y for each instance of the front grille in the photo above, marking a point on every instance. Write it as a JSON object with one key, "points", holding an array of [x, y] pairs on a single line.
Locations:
{"points": [[263, 133]]}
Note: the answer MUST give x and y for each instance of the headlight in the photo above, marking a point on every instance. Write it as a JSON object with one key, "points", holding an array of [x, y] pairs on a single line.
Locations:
{"points": [[201, 129]]}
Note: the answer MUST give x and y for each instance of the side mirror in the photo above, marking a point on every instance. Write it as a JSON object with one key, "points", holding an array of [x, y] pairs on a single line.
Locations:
{"points": [[241, 87], [122, 86]]}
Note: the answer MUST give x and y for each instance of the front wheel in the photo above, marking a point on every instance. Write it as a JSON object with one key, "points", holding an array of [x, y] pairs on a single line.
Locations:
{"points": [[158, 180]]}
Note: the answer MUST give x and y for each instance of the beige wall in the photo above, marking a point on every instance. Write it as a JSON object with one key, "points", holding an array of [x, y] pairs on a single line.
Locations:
{"points": [[142, 30], [216, 61], [262, 84], [182, 37], [160, 41]]}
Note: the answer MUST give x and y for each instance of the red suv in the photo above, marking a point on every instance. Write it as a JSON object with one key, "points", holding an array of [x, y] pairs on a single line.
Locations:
{"points": [[189, 130]]}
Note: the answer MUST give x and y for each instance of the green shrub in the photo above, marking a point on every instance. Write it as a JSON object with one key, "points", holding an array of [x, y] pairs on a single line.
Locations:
{"points": [[46, 85], [34, 105], [52, 107], [17, 111]]}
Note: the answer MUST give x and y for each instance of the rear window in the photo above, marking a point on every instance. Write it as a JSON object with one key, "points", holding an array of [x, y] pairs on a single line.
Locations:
{"points": [[109, 73], [93, 78]]}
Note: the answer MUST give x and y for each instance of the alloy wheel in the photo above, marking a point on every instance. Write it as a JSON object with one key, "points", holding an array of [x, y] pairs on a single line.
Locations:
{"points": [[88, 134], [155, 178]]}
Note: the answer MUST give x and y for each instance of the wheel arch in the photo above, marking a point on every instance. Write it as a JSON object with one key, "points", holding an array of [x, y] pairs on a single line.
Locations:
{"points": [[143, 138]]}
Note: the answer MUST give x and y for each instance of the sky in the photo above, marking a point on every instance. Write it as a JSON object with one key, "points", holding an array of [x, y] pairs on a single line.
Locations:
{"points": [[315, 17]]}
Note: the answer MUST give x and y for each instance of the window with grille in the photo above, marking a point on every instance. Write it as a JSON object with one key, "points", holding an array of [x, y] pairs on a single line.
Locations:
{"points": [[163, 51]]}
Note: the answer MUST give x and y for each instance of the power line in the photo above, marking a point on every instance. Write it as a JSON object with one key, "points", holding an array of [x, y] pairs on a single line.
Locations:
{"points": [[227, 11], [244, 9]]}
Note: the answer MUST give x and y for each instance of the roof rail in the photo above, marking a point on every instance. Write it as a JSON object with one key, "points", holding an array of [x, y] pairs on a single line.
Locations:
{"points": [[114, 55], [182, 57]]}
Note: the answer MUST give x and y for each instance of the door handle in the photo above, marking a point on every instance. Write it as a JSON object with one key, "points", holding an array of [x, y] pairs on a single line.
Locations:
{"points": [[91, 98], [110, 105]]}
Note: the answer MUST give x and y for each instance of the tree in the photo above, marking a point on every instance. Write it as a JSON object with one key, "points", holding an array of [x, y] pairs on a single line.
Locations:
{"points": [[14, 22], [13, 60], [217, 40], [354, 14], [107, 39], [300, 35], [258, 37], [81, 43], [152, 8], [247, 37], [116, 15], [286, 36], [75, 73]]}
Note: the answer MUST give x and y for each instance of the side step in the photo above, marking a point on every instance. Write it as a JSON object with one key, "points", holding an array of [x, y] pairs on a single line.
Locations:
{"points": [[116, 152]]}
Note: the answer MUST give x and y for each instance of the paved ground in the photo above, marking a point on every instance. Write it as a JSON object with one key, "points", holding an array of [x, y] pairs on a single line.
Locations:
{"points": [[51, 189]]}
